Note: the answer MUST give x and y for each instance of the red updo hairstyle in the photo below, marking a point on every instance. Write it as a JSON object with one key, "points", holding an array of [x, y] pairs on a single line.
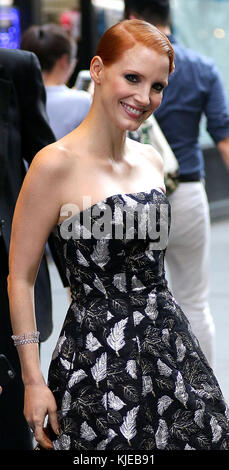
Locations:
{"points": [[126, 34]]}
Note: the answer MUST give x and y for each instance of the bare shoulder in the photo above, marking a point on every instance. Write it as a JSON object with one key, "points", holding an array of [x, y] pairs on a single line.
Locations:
{"points": [[154, 157], [150, 154], [54, 160], [44, 186], [47, 178]]}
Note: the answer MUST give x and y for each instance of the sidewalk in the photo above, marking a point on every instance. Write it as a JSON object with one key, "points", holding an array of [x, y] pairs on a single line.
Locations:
{"points": [[219, 299]]}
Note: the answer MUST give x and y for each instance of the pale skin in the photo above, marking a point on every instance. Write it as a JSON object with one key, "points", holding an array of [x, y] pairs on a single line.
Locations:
{"points": [[95, 160]]}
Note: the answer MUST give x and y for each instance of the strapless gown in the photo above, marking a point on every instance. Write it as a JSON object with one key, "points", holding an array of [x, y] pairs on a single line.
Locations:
{"points": [[127, 371]]}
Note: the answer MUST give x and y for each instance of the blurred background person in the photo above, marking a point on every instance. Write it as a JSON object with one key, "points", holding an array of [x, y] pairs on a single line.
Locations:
{"points": [[194, 89], [24, 131], [56, 51]]}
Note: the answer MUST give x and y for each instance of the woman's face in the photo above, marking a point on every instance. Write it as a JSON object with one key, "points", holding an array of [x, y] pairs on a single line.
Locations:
{"points": [[132, 88]]}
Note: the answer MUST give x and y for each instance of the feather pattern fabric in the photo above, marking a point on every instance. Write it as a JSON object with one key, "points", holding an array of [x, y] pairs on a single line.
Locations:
{"points": [[86, 432], [147, 385], [81, 259], [163, 368], [151, 309], [161, 436], [115, 402], [101, 255], [138, 316], [163, 404], [181, 349], [66, 403], [116, 338], [119, 282], [76, 377], [180, 390], [92, 343], [216, 429], [127, 372], [137, 284], [128, 428], [103, 444], [131, 368], [99, 370]]}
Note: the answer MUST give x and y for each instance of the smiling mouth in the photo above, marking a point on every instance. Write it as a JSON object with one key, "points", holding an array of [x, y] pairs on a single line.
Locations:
{"points": [[132, 112]]}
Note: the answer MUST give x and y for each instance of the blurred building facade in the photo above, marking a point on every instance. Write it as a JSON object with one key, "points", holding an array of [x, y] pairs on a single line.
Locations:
{"points": [[51, 9], [203, 26]]}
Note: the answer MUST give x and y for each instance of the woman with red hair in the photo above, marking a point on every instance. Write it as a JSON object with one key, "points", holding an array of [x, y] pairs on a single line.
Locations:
{"points": [[127, 372]]}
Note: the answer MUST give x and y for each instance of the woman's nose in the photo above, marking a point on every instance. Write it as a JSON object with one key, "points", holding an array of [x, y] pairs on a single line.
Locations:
{"points": [[143, 97]]}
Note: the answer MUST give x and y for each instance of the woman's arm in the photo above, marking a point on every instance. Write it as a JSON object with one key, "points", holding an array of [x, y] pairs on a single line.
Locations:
{"points": [[36, 213]]}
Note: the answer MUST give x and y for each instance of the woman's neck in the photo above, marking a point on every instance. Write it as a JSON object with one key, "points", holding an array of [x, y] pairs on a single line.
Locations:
{"points": [[105, 140]]}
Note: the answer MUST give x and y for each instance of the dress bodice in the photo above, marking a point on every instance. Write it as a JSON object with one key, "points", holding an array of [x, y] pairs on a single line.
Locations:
{"points": [[117, 243]]}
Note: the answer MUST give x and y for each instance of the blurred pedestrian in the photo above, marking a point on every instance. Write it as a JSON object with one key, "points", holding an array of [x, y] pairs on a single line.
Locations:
{"points": [[195, 88], [24, 131], [56, 51]]}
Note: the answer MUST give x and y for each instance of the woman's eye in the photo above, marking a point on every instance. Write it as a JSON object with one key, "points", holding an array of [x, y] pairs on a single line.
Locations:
{"points": [[158, 87], [131, 78]]}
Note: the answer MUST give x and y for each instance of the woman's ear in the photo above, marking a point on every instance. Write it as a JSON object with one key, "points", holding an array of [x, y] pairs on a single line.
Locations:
{"points": [[96, 69]]}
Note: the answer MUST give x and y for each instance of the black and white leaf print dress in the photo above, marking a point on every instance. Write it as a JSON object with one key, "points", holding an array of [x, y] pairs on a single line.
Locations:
{"points": [[127, 371]]}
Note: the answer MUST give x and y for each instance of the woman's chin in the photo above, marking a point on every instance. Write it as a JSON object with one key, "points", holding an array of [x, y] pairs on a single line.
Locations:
{"points": [[134, 126], [131, 125]]}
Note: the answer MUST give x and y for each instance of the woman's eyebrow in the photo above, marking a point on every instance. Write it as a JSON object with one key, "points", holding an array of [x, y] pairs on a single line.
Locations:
{"points": [[162, 82], [135, 72]]}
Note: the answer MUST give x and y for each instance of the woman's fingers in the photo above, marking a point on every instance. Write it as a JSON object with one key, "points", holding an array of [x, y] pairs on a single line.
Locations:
{"points": [[42, 438], [54, 422], [40, 402]]}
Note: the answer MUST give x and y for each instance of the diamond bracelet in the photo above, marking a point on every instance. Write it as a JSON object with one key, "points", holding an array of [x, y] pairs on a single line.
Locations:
{"points": [[26, 338]]}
